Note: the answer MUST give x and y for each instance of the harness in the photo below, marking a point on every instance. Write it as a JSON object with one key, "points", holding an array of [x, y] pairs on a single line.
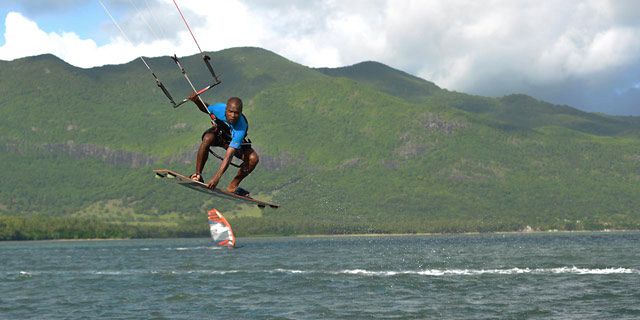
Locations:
{"points": [[223, 131]]}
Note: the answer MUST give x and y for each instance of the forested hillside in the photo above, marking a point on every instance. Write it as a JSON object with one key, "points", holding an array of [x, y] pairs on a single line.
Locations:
{"points": [[359, 149]]}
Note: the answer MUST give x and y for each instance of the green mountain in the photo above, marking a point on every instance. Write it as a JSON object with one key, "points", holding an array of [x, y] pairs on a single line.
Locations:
{"points": [[358, 149]]}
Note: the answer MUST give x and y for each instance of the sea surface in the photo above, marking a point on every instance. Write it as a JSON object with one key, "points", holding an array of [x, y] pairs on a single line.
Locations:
{"points": [[490, 276]]}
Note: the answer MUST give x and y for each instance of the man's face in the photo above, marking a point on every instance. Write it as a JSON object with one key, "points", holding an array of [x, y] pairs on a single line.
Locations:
{"points": [[233, 112]]}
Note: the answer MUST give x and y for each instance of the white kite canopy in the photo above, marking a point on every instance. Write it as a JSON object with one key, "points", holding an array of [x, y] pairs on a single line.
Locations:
{"points": [[221, 231]]}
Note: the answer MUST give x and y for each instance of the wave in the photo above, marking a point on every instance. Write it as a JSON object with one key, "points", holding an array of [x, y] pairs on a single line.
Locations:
{"points": [[117, 272], [471, 272], [348, 272], [511, 271], [210, 247], [192, 248]]}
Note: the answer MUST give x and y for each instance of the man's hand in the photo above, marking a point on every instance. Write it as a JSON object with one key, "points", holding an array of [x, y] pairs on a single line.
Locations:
{"points": [[193, 97], [211, 184], [223, 167]]}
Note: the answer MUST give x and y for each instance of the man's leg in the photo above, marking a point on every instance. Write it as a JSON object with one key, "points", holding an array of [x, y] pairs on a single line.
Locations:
{"points": [[250, 161], [203, 151]]}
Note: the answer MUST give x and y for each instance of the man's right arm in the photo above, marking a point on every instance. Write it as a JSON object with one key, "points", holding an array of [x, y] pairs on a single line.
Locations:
{"points": [[211, 184], [196, 99]]}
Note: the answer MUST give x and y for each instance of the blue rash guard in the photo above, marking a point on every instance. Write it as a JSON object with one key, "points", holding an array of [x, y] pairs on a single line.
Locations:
{"points": [[238, 130]]}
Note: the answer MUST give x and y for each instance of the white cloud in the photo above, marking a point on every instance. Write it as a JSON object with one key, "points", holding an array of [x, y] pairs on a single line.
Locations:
{"points": [[491, 47], [23, 38], [454, 43], [575, 54]]}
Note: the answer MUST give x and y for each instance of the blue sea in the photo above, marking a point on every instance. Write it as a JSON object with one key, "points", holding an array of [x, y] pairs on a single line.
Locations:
{"points": [[486, 276]]}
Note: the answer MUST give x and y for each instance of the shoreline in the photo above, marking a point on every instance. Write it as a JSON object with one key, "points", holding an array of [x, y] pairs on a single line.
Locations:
{"points": [[462, 233], [358, 235]]}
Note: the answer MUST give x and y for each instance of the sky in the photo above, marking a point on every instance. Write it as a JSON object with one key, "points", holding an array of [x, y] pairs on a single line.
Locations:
{"points": [[585, 54]]}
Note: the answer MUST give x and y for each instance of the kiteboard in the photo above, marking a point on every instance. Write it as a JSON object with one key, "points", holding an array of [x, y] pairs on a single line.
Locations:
{"points": [[201, 187]]}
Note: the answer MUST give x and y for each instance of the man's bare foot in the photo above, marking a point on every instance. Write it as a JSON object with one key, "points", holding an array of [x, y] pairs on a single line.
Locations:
{"points": [[196, 177]]}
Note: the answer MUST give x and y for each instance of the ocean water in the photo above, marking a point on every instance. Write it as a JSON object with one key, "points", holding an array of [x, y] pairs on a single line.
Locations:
{"points": [[495, 276]]}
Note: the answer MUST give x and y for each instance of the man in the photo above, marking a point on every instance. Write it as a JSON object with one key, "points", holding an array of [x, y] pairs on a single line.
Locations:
{"points": [[229, 131]]}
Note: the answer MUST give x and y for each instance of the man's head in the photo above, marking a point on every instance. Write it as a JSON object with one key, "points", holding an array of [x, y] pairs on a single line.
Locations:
{"points": [[234, 109]]}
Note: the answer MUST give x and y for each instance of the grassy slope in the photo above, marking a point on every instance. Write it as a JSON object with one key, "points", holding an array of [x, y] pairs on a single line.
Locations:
{"points": [[342, 150]]}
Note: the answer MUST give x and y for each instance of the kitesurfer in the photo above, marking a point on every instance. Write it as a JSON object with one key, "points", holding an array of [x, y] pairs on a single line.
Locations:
{"points": [[229, 131]]}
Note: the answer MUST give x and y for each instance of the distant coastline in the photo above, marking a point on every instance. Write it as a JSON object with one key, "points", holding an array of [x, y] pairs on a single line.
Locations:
{"points": [[363, 235]]}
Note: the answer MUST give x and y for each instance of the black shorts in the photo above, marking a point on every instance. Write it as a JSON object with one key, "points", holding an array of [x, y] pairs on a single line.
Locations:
{"points": [[223, 137]]}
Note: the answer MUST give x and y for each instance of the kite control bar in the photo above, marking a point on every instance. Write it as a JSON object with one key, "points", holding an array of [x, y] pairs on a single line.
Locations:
{"points": [[184, 74]]}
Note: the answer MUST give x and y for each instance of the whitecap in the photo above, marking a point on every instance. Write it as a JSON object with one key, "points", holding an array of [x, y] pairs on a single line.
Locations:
{"points": [[188, 248], [289, 271], [467, 272], [368, 273], [108, 273], [576, 270]]}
